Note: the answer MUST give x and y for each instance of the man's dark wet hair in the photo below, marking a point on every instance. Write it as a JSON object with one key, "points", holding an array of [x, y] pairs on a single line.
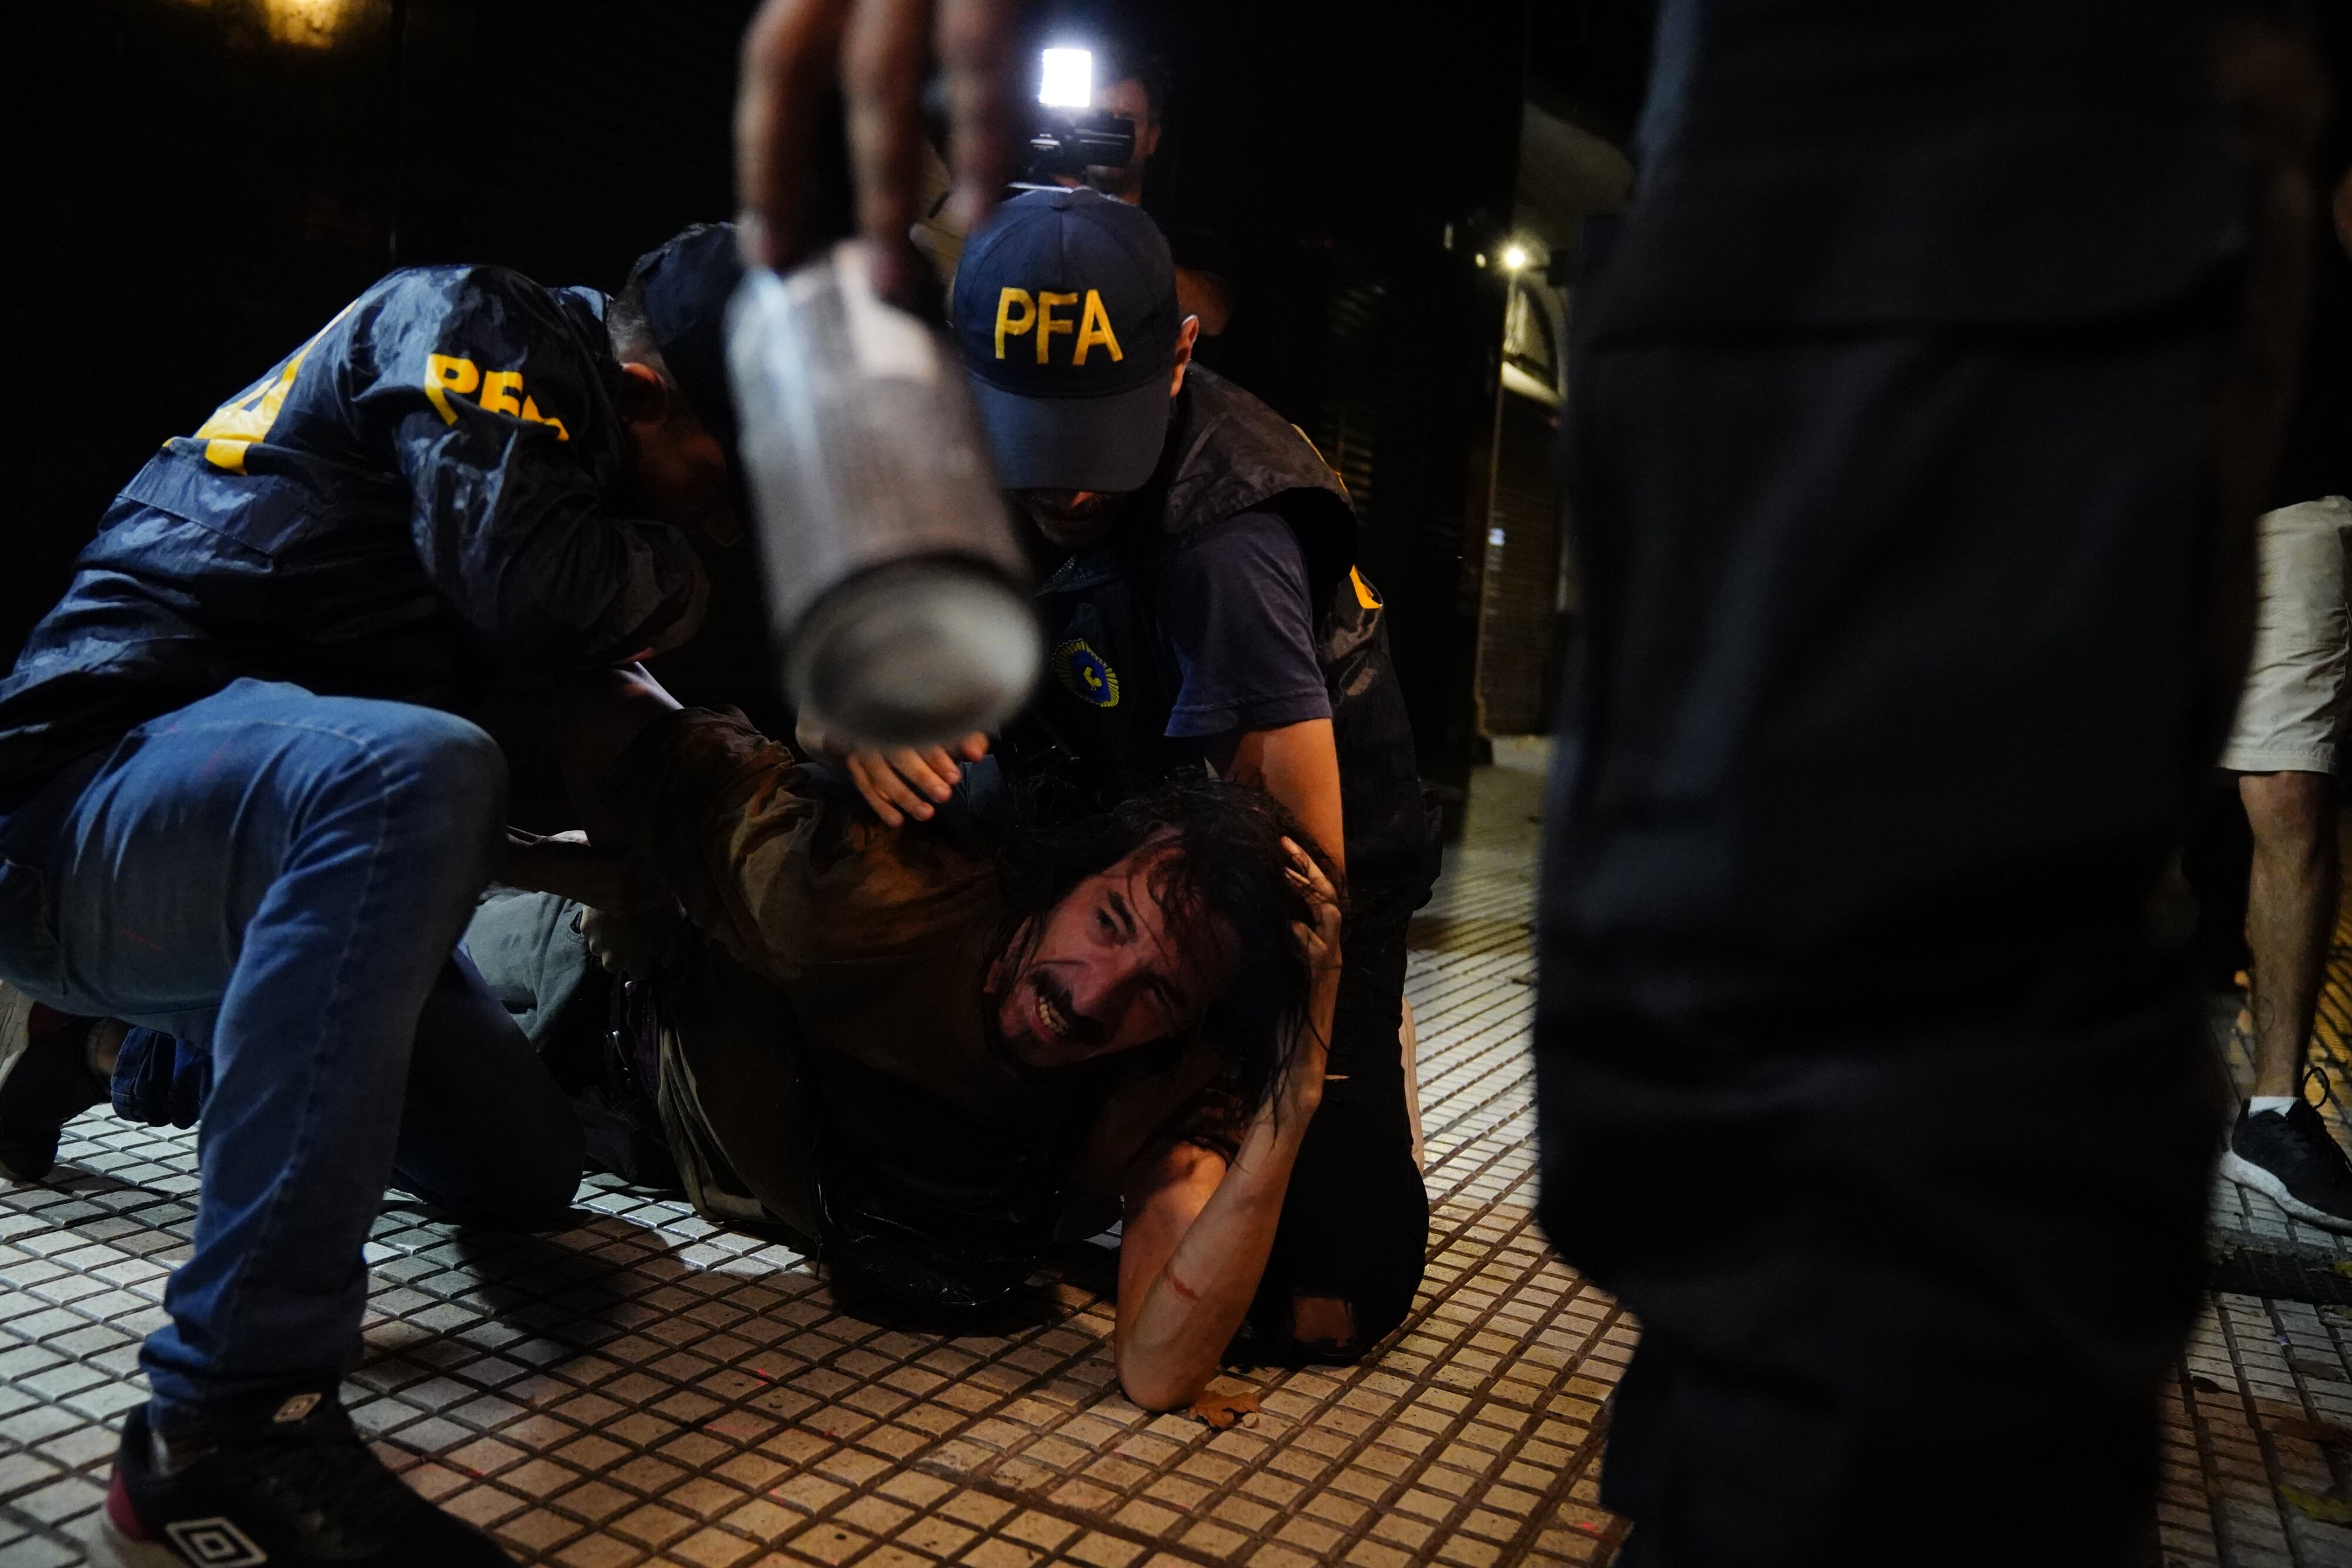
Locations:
{"points": [[1228, 869]]}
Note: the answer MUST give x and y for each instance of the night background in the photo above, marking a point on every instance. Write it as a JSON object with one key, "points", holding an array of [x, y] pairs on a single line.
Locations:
{"points": [[238, 170], [1924, 1184]]}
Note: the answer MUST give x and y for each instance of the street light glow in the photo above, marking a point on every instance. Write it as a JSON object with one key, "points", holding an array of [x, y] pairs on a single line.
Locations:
{"points": [[1514, 258], [1069, 78]]}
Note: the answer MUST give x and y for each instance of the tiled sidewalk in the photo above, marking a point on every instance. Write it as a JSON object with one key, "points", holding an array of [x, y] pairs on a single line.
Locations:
{"points": [[644, 1388], [2259, 1460]]}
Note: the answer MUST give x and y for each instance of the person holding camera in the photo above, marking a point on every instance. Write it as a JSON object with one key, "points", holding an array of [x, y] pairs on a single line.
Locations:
{"points": [[1135, 90], [1204, 610]]}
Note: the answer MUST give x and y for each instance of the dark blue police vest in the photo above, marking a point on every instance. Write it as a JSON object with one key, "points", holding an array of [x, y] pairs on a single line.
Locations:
{"points": [[1100, 717]]}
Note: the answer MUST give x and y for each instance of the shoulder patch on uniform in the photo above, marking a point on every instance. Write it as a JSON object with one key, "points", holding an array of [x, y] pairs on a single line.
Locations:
{"points": [[1085, 673]]}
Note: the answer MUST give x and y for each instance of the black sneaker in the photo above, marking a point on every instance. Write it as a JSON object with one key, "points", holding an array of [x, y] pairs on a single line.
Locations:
{"points": [[2290, 1159], [45, 1083], [295, 1487]]}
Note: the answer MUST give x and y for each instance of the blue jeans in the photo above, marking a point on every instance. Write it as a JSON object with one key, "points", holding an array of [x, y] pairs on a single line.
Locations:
{"points": [[281, 878]]}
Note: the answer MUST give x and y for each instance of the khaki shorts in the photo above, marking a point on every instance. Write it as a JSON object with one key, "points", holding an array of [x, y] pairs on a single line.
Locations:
{"points": [[2293, 710]]}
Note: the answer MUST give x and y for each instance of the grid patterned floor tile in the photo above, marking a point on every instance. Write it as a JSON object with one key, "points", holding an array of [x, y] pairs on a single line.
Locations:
{"points": [[644, 1388], [2258, 1465]]}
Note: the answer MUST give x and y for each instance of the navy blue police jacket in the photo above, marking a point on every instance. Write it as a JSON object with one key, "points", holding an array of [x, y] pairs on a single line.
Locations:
{"points": [[429, 497], [1098, 725]]}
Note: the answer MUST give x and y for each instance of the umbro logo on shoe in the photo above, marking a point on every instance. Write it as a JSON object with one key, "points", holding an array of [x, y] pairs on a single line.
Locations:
{"points": [[218, 1542], [277, 1495]]}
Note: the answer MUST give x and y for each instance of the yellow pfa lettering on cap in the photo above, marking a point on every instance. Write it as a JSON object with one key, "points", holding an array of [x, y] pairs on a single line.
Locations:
{"points": [[1019, 311], [1046, 325], [1094, 327], [1015, 314]]}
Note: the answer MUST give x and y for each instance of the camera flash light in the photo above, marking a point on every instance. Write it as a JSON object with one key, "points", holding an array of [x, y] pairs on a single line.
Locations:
{"points": [[1069, 79]]}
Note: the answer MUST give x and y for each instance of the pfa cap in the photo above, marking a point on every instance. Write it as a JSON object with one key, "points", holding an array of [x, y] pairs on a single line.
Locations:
{"points": [[1066, 316], [687, 284]]}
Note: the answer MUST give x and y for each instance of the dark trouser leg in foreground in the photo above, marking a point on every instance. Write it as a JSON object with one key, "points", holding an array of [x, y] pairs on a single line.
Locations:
{"points": [[1968, 1251], [1861, 1084], [1354, 1235]]}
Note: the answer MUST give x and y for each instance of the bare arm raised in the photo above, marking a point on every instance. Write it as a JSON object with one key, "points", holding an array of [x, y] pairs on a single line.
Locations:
{"points": [[1198, 1231]]}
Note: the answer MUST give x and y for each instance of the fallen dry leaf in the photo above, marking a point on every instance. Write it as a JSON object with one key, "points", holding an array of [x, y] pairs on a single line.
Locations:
{"points": [[1223, 1403]]}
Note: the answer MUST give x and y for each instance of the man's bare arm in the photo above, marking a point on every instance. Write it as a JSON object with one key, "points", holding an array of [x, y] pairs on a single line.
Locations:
{"points": [[1197, 1231], [1298, 765]]}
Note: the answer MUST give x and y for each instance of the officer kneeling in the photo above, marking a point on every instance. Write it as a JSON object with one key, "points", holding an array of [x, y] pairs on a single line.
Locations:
{"points": [[1203, 608], [236, 807]]}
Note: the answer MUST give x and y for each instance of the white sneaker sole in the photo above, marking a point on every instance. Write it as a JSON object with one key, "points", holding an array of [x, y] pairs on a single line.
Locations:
{"points": [[2253, 1178], [110, 1548]]}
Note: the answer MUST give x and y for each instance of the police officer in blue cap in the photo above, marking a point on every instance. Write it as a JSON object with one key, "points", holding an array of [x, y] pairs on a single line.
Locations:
{"points": [[1203, 608], [234, 806]]}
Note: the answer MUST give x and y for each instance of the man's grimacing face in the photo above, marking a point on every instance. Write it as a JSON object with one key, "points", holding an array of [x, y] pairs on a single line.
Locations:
{"points": [[1099, 973]]}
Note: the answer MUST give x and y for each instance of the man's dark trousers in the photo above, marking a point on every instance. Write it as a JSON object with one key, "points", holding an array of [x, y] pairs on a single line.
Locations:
{"points": [[1909, 419], [1861, 1082]]}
